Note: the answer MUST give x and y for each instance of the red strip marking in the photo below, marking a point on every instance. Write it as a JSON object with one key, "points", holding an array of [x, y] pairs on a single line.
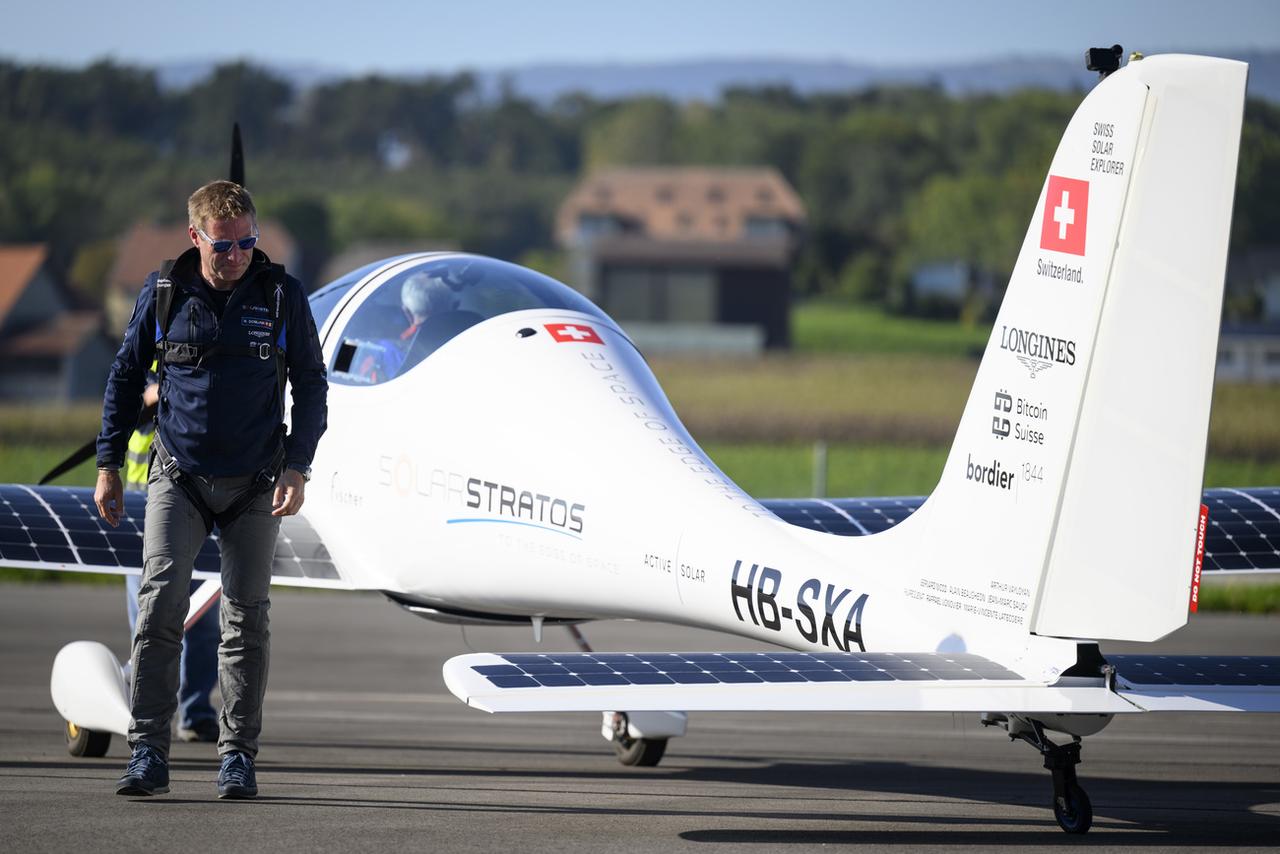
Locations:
{"points": [[1198, 564]]}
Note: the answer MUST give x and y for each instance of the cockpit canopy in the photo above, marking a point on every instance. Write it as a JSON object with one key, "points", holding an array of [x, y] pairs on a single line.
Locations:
{"points": [[422, 304]]}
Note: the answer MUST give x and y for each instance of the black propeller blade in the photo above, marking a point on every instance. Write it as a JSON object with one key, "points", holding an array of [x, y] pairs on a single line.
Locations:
{"points": [[84, 452], [237, 156]]}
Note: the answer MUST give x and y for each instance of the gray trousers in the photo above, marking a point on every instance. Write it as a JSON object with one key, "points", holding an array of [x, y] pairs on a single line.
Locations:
{"points": [[174, 534]]}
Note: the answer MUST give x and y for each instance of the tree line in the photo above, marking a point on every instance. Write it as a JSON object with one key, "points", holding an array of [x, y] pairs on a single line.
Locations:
{"points": [[892, 177]]}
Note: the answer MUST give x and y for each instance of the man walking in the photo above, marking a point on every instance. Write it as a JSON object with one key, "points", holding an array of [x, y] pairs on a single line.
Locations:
{"points": [[226, 327]]}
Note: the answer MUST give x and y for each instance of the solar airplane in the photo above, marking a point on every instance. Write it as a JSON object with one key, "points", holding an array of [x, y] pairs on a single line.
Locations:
{"points": [[512, 460]]}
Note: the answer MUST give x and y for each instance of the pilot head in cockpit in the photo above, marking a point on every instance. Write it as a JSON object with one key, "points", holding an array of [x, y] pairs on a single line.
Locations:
{"points": [[421, 296]]}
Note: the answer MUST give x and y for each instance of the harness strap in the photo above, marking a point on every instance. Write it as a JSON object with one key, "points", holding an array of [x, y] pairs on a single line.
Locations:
{"points": [[179, 353], [263, 481], [278, 326], [182, 480], [164, 316]]}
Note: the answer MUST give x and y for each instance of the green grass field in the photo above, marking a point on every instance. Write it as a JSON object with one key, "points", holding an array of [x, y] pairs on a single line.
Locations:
{"points": [[880, 399], [823, 327]]}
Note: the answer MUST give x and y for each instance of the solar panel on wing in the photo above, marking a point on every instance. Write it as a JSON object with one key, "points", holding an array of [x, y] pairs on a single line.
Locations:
{"points": [[1233, 670], [529, 670], [60, 525], [1243, 533]]}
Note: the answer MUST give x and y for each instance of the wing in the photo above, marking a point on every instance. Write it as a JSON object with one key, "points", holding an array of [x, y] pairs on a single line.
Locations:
{"points": [[761, 681], [58, 528], [1243, 534], [1199, 683]]}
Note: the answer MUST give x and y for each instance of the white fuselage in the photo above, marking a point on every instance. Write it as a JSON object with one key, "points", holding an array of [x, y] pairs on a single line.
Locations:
{"points": [[530, 476]]}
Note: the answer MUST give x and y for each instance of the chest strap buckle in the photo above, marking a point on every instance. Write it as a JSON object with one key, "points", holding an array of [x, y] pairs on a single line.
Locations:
{"points": [[264, 351]]}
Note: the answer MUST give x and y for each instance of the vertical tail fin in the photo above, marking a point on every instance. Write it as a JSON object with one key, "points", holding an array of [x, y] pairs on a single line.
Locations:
{"points": [[1072, 491]]}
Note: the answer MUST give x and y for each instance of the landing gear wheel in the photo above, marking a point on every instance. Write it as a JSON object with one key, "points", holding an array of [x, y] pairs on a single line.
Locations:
{"points": [[86, 742], [1073, 810], [643, 752]]}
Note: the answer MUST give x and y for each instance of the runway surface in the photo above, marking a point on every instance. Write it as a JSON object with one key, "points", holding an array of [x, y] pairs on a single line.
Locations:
{"points": [[364, 749]]}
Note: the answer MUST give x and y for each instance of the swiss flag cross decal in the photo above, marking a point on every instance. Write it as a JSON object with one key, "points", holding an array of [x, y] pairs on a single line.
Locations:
{"points": [[1066, 215], [573, 333]]}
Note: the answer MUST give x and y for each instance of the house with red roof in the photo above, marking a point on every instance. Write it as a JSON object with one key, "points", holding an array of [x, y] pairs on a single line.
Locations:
{"points": [[694, 259], [49, 351]]}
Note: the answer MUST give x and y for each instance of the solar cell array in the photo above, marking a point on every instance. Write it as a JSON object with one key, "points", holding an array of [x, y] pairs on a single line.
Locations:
{"points": [[60, 525], [555, 670], [1233, 670], [1243, 534], [1244, 529], [848, 517], [299, 552]]}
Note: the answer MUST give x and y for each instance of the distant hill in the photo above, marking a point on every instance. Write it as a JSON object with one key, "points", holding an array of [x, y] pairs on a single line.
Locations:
{"points": [[705, 80]]}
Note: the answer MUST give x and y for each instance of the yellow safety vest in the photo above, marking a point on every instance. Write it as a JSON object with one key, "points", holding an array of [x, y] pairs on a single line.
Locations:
{"points": [[138, 458], [137, 461]]}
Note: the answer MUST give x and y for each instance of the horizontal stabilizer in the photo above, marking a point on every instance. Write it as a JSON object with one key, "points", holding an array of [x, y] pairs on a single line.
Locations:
{"points": [[1199, 683], [760, 681]]}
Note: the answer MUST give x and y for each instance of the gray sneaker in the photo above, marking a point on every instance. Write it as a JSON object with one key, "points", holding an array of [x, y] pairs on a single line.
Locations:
{"points": [[236, 779], [147, 774]]}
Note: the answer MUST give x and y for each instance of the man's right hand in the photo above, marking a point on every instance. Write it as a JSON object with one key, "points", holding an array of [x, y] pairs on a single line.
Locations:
{"points": [[109, 496]]}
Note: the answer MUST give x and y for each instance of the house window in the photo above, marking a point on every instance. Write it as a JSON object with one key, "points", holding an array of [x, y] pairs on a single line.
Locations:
{"points": [[760, 226], [595, 225], [631, 295], [661, 296], [691, 296]]}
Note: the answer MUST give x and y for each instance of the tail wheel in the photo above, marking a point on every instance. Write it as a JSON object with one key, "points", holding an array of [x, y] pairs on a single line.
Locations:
{"points": [[86, 742], [1073, 810], [642, 752]]}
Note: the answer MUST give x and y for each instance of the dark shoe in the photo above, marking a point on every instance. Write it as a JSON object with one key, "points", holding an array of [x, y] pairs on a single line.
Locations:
{"points": [[235, 778], [147, 774], [205, 730]]}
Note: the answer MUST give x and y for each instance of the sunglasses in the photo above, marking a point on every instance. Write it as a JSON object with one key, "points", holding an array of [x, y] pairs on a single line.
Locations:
{"points": [[222, 246]]}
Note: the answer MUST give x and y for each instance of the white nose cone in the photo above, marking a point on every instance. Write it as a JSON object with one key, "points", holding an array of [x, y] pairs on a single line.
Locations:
{"points": [[88, 688]]}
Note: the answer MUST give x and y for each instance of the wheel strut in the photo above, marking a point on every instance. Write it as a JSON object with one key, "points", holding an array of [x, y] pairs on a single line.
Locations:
{"points": [[1071, 806]]}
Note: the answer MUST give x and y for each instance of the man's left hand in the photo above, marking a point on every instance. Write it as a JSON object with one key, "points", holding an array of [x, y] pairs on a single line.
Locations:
{"points": [[288, 495]]}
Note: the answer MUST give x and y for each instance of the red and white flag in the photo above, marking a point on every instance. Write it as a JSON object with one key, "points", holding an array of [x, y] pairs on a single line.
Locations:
{"points": [[1066, 215], [573, 333]]}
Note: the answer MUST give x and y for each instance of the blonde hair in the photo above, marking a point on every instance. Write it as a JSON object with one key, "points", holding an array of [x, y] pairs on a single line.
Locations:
{"points": [[219, 200]]}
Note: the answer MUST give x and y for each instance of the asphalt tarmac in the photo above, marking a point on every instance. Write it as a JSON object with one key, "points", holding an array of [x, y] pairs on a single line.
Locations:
{"points": [[364, 749]]}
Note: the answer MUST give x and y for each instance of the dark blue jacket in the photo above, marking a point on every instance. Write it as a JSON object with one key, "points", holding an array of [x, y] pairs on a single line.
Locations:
{"points": [[220, 418]]}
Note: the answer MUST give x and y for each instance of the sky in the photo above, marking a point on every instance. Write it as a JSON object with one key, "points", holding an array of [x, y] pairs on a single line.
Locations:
{"points": [[407, 37]]}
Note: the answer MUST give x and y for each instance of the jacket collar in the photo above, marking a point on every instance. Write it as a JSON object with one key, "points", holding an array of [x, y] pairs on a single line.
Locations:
{"points": [[186, 268]]}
